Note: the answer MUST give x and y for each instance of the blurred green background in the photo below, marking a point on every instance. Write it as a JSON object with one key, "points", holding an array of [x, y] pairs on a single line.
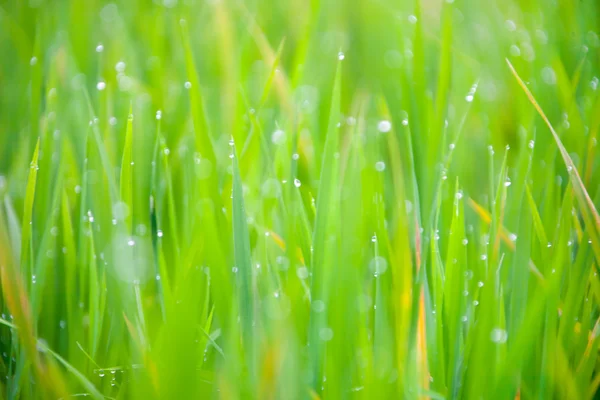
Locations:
{"points": [[299, 199]]}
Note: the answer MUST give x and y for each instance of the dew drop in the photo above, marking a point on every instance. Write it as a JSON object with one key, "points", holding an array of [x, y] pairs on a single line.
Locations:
{"points": [[498, 335], [326, 334], [302, 272], [278, 137], [384, 126], [378, 265], [548, 75], [510, 25], [318, 306], [120, 67]]}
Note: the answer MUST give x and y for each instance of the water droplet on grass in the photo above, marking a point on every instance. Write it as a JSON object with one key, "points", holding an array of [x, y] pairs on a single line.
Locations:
{"points": [[302, 272], [378, 265], [120, 67], [326, 334], [498, 335], [384, 126], [278, 137], [548, 75], [318, 306], [515, 51]]}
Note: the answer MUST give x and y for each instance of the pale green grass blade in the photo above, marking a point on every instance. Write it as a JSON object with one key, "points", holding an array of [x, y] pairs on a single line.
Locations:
{"points": [[588, 210]]}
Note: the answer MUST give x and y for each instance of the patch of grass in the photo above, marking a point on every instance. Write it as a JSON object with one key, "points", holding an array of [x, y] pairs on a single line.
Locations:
{"points": [[299, 199]]}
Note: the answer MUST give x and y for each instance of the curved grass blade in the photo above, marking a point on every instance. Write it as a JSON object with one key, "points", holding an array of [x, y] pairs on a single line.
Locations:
{"points": [[588, 210]]}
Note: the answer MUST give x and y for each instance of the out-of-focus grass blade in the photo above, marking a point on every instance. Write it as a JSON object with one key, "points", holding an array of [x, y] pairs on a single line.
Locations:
{"points": [[537, 221], [321, 258], [26, 259], [201, 128], [126, 181], [92, 391], [243, 263]]}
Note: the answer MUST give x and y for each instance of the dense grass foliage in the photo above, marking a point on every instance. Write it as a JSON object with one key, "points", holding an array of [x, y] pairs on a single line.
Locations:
{"points": [[300, 199]]}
